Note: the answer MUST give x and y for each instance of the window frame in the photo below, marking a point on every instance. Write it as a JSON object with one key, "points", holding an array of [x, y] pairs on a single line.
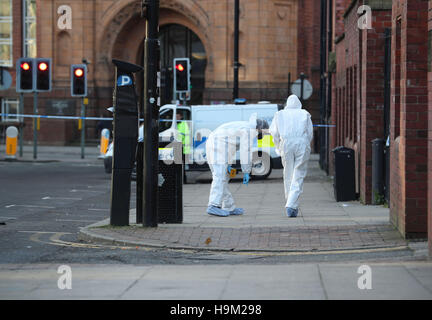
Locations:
{"points": [[5, 109], [5, 41], [27, 21]]}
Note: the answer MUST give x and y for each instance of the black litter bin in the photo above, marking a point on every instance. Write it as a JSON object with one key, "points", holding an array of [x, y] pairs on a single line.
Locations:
{"points": [[170, 182], [344, 178]]}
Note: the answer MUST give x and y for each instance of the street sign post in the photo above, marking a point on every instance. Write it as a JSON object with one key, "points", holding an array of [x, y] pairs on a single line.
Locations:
{"points": [[302, 88]]}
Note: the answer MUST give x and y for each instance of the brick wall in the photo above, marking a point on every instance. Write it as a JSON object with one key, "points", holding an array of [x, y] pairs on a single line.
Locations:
{"points": [[409, 106], [372, 96], [338, 10], [359, 90]]}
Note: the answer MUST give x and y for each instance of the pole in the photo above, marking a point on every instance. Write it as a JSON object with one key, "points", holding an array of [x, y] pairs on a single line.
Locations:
{"points": [[151, 116], [35, 125], [236, 47], [82, 128], [289, 84], [302, 77], [21, 120]]}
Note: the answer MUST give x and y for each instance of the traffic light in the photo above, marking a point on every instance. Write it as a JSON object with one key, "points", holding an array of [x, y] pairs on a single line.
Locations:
{"points": [[181, 75], [78, 80], [43, 74], [25, 69], [166, 85]]}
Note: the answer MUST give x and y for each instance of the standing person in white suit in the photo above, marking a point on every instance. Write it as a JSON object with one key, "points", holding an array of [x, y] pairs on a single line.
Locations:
{"points": [[221, 148], [292, 133]]}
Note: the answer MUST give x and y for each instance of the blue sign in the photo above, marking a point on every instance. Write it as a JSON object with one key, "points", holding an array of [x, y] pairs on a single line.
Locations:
{"points": [[124, 81]]}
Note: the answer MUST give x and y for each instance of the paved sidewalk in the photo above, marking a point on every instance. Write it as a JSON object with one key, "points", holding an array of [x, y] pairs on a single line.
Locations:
{"points": [[320, 281], [323, 224]]}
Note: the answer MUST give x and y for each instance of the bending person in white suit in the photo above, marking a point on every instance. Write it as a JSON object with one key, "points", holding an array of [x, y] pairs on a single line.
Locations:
{"points": [[292, 133], [221, 148]]}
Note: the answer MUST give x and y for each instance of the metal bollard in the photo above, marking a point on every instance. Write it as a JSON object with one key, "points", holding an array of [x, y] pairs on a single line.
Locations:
{"points": [[11, 142], [377, 171]]}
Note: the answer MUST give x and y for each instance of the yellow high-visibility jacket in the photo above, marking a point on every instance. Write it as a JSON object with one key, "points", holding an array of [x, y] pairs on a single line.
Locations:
{"points": [[184, 136]]}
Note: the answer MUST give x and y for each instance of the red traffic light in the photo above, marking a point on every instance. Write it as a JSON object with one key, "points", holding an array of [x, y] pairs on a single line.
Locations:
{"points": [[179, 67], [43, 66], [25, 66], [79, 72]]}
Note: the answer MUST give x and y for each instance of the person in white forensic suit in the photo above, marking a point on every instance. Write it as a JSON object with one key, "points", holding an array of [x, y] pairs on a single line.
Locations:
{"points": [[292, 132], [221, 148]]}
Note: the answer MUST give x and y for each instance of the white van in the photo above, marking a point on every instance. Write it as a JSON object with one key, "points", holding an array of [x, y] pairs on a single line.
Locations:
{"points": [[203, 119]]}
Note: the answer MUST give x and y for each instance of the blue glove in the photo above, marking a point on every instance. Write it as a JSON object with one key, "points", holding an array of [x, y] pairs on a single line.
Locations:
{"points": [[246, 178]]}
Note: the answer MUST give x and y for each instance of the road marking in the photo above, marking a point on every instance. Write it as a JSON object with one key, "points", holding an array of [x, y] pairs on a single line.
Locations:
{"points": [[322, 252], [75, 190], [8, 218], [43, 232], [28, 206], [62, 198], [77, 220], [98, 209]]}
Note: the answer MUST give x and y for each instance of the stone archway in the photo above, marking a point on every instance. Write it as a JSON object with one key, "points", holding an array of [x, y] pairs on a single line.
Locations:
{"points": [[123, 30]]}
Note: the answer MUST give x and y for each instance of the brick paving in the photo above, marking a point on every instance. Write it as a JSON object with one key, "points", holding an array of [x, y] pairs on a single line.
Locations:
{"points": [[271, 239]]}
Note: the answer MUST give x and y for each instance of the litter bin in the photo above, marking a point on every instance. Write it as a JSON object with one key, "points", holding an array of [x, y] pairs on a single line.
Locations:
{"points": [[170, 182], [344, 178]]}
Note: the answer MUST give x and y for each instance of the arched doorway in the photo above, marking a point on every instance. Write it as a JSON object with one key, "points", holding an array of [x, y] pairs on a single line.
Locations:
{"points": [[177, 41]]}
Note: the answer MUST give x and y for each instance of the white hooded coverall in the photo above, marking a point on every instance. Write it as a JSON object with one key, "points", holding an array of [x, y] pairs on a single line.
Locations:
{"points": [[292, 132], [221, 148]]}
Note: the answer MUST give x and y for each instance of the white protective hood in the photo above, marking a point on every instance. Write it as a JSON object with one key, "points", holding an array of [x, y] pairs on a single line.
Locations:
{"points": [[293, 102]]}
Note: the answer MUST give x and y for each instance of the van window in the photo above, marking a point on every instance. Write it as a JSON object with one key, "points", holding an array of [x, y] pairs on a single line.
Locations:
{"points": [[185, 114], [165, 120]]}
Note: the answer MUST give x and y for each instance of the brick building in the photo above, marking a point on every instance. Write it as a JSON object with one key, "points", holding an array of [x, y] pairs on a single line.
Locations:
{"points": [[380, 89], [273, 44]]}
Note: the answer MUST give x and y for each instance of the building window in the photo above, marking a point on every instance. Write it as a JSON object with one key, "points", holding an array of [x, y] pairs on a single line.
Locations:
{"points": [[30, 29], [6, 33], [9, 107]]}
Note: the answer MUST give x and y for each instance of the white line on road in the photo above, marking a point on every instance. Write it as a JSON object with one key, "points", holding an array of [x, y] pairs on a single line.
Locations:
{"points": [[28, 206], [60, 198], [75, 190], [44, 232], [76, 220], [8, 218], [98, 209]]}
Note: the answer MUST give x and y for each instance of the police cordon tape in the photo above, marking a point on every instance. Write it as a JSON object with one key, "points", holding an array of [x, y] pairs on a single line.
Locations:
{"points": [[14, 115]]}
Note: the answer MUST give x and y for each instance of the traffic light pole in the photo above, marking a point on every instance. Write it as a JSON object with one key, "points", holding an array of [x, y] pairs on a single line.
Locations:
{"points": [[20, 135], [35, 124], [82, 128], [151, 116]]}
